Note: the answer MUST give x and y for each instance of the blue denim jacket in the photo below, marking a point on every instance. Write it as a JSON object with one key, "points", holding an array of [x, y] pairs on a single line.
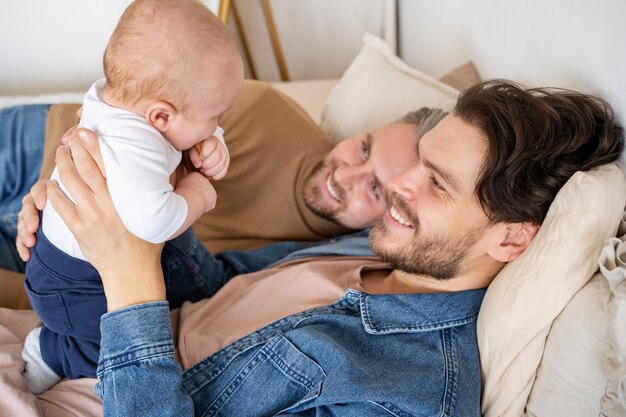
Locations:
{"points": [[364, 355]]}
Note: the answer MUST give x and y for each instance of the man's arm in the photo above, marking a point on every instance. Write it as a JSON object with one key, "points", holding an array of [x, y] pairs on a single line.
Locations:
{"points": [[137, 372]]}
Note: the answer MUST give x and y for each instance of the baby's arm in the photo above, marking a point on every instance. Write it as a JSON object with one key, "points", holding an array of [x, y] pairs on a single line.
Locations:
{"points": [[200, 196], [211, 156], [138, 175]]}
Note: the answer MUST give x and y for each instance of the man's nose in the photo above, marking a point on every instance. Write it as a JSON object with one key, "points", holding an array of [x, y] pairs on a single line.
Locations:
{"points": [[406, 183], [349, 176]]}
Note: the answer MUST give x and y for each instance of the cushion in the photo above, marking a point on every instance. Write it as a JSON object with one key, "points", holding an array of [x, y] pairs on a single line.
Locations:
{"points": [[613, 267], [529, 293], [377, 89], [571, 379], [312, 94], [462, 77]]}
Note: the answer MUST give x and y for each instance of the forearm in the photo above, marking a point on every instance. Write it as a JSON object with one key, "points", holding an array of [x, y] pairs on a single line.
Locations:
{"points": [[199, 195], [137, 372]]}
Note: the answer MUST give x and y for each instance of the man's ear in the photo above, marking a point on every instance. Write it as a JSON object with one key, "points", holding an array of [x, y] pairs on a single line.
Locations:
{"points": [[160, 114], [514, 240]]}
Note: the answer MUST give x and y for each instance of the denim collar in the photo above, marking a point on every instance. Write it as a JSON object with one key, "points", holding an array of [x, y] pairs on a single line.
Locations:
{"points": [[413, 313]]}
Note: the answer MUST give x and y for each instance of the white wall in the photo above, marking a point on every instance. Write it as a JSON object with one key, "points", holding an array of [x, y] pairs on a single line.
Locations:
{"points": [[49, 46], [54, 45], [319, 37], [57, 45], [577, 44]]}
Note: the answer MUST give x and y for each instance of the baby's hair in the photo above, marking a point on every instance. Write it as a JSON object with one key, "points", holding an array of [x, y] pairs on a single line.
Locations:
{"points": [[157, 44]]}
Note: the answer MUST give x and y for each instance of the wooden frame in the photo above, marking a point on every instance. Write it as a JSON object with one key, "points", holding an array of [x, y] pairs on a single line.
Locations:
{"points": [[224, 10], [223, 13]]}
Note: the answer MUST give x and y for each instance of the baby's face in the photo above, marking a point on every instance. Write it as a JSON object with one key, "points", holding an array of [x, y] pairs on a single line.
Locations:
{"points": [[208, 104]]}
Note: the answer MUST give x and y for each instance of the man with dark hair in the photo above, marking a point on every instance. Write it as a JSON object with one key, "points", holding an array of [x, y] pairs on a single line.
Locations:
{"points": [[537, 139], [534, 140], [345, 335]]}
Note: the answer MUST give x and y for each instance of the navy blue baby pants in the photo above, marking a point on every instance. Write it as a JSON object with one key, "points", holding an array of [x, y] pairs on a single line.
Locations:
{"points": [[68, 296]]}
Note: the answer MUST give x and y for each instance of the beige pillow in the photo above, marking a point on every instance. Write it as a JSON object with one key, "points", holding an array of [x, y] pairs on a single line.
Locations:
{"points": [[529, 293], [377, 89], [571, 379]]}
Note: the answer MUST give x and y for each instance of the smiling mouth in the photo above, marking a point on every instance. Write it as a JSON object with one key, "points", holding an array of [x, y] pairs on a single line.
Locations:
{"points": [[397, 217], [331, 190]]}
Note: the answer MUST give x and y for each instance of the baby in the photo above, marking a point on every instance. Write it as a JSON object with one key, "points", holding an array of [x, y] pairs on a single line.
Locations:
{"points": [[172, 70]]}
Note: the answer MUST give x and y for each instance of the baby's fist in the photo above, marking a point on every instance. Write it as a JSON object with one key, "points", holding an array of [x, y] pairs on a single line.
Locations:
{"points": [[214, 158]]}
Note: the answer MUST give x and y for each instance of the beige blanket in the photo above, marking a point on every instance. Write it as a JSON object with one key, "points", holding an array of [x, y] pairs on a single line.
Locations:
{"points": [[66, 399]]}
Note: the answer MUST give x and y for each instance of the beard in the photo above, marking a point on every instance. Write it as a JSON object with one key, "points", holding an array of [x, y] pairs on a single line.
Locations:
{"points": [[313, 197], [440, 256]]}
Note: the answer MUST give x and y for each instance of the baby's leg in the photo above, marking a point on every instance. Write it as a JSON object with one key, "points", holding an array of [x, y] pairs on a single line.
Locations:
{"points": [[39, 377]]}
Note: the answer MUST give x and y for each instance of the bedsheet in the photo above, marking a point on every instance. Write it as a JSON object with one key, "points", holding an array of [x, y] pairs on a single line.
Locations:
{"points": [[69, 398]]}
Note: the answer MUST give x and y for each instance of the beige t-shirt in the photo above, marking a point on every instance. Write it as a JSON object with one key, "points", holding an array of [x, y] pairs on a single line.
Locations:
{"points": [[252, 301]]}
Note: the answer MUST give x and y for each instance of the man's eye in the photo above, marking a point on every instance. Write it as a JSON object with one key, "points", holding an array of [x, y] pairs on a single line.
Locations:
{"points": [[365, 150], [375, 190], [436, 184]]}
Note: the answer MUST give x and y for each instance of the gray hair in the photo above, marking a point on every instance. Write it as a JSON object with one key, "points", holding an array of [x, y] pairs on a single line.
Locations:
{"points": [[425, 119]]}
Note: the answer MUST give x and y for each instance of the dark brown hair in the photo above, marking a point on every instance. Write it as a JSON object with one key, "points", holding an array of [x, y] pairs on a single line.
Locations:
{"points": [[537, 139]]}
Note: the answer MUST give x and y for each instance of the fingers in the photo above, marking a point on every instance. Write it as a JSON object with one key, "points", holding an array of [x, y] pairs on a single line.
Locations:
{"points": [[90, 142], [194, 157], [209, 146], [67, 136], [38, 194], [28, 220], [222, 173], [22, 250], [85, 151], [63, 205], [23, 240], [78, 189], [215, 165]]}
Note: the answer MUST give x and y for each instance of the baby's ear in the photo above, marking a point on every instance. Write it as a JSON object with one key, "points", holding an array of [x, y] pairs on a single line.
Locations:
{"points": [[160, 114]]}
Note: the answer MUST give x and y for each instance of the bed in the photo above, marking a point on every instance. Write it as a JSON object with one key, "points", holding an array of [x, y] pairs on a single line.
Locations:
{"points": [[551, 328]]}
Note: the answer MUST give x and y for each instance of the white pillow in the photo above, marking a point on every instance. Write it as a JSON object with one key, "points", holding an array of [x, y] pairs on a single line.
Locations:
{"points": [[529, 293], [377, 89]]}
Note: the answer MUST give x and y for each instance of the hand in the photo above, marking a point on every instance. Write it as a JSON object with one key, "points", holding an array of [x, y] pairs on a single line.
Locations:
{"points": [[130, 267], [28, 218], [35, 201], [211, 159]]}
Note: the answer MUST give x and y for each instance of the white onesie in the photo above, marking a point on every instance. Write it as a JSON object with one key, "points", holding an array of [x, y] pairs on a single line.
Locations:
{"points": [[138, 162]]}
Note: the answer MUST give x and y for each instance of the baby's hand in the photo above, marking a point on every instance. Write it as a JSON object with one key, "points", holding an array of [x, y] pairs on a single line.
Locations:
{"points": [[211, 158]]}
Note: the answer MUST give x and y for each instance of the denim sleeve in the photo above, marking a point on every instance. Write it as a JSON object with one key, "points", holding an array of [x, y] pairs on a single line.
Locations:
{"points": [[137, 372]]}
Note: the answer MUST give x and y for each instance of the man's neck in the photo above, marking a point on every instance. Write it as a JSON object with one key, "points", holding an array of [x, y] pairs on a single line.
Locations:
{"points": [[400, 282]]}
